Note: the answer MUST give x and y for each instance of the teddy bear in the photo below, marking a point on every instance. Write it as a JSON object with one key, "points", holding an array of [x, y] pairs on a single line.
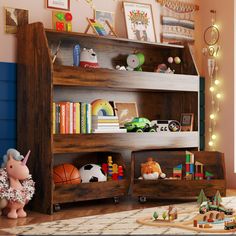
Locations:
{"points": [[151, 170], [88, 58]]}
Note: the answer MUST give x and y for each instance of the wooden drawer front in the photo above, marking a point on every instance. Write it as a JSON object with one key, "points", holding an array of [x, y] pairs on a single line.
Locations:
{"points": [[89, 191], [177, 188]]}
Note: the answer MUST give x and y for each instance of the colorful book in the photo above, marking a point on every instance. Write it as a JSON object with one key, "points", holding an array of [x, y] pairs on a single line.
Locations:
{"points": [[109, 131], [54, 118], [83, 118], [88, 118], [76, 118], [62, 118], [57, 118]]}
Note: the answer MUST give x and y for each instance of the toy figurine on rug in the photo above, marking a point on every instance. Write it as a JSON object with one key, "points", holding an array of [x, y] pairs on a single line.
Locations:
{"points": [[151, 170], [16, 184]]}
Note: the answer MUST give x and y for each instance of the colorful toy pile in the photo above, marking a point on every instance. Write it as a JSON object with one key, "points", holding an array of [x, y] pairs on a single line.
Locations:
{"points": [[193, 170], [69, 174], [113, 171]]}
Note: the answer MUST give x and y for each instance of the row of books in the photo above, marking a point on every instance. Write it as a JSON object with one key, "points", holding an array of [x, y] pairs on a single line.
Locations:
{"points": [[72, 118], [76, 118]]}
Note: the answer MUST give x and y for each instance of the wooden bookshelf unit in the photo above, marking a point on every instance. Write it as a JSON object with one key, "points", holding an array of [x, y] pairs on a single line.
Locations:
{"points": [[40, 83]]}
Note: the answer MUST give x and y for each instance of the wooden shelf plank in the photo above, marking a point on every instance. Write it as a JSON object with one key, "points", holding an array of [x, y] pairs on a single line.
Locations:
{"points": [[131, 141], [75, 36], [123, 80]]}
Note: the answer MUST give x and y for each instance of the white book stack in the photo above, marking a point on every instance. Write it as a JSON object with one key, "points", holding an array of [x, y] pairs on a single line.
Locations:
{"points": [[106, 124]]}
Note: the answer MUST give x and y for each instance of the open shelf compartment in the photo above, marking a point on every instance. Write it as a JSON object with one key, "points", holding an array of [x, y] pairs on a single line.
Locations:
{"points": [[64, 193]]}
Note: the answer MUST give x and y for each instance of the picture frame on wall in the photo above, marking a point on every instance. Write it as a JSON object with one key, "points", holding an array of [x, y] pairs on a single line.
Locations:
{"points": [[187, 121], [103, 16], [59, 4], [125, 111], [15, 17], [139, 21]]}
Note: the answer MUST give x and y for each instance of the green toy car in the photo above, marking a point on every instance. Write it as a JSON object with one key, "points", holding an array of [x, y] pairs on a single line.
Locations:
{"points": [[139, 125]]}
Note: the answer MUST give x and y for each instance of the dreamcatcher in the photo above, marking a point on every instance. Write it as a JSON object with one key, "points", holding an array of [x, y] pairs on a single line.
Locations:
{"points": [[211, 51]]}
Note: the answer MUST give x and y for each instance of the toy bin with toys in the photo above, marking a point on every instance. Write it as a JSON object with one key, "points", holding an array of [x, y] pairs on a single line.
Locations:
{"points": [[185, 174], [89, 176]]}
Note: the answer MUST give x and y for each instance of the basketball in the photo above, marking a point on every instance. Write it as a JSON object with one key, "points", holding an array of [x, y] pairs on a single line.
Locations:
{"points": [[66, 174]]}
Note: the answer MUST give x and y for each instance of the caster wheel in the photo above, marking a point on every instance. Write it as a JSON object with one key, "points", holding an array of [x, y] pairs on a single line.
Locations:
{"points": [[142, 199], [56, 207], [116, 200]]}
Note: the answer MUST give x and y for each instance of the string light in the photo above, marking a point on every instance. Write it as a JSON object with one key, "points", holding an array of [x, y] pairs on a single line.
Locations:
{"points": [[212, 52], [212, 89], [213, 137]]}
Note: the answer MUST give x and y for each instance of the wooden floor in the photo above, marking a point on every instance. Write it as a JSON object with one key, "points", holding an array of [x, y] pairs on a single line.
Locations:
{"points": [[87, 209]]}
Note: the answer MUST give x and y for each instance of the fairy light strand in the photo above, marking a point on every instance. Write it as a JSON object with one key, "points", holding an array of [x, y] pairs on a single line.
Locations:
{"points": [[211, 51]]}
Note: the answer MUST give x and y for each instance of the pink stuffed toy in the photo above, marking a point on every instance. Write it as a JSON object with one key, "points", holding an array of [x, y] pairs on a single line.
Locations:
{"points": [[16, 184]]}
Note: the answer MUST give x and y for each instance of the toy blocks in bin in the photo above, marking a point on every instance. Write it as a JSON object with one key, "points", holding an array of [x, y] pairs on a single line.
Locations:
{"points": [[186, 174]]}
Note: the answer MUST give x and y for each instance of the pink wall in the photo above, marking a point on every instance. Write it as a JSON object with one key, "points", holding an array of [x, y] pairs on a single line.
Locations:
{"points": [[225, 122], [81, 10]]}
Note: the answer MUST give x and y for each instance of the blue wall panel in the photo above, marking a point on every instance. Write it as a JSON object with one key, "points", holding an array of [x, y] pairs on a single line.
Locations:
{"points": [[7, 129], [8, 110], [7, 107], [7, 71], [7, 90]]}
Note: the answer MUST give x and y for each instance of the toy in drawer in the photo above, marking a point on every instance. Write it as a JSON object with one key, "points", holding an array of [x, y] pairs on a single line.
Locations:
{"points": [[186, 174]]}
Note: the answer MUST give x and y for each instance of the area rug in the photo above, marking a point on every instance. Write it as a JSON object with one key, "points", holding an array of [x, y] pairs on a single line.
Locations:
{"points": [[121, 223]]}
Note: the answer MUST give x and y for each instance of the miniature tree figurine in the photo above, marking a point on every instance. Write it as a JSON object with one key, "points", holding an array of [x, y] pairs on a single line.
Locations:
{"points": [[218, 198], [164, 215], [155, 215], [201, 198]]}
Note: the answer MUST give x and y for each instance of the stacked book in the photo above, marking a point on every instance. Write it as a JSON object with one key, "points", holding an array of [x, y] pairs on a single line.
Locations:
{"points": [[106, 124]]}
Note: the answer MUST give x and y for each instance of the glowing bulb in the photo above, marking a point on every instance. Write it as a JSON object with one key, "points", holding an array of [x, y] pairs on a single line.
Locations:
{"points": [[211, 143], [213, 136], [217, 82], [212, 116], [212, 89], [218, 95]]}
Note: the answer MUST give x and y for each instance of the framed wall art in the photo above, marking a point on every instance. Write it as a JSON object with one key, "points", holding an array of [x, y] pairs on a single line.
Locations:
{"points": [[139, 21], [125, 111], [103, 16], [14, 18], [59, 4], [187, 121]]}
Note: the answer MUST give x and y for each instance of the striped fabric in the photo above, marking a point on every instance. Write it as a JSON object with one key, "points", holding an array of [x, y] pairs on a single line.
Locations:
{"points": [[177, 23]]}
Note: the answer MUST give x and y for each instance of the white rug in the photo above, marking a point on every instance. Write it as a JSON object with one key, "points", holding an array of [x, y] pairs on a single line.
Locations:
{"points": [[122, 223]]}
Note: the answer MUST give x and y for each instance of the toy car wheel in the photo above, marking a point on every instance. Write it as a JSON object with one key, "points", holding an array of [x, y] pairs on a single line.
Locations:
{"points": [[152, 130], [142, 199], [116, 200], [139, 131], [56, 207]]}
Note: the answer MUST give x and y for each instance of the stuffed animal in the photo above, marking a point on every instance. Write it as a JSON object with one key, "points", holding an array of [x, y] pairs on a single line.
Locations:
{"points": [[88, 58], [151, 170], [16, 184]]}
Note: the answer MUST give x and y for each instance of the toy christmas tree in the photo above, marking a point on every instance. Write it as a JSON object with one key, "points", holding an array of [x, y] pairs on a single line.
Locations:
{"points": [[218, 198], [155, 215], [201, 198]]}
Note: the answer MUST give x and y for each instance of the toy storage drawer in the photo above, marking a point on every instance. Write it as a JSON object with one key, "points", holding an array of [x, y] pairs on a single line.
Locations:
{"points": [[169, 189], [90, 191]]}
